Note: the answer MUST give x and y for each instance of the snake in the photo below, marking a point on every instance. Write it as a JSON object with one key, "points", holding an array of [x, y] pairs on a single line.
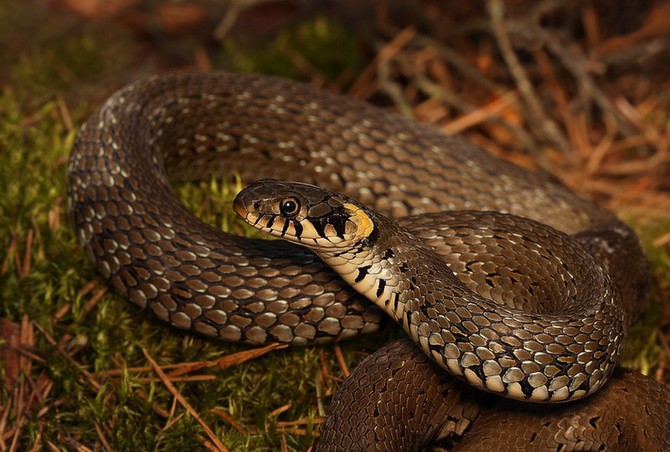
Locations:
{"points": [[516, 294]]}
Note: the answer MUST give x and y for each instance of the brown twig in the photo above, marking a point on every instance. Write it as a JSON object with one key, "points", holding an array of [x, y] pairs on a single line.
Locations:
{"points": [[176, 394], [537, 118], [341, 361], [228, 418]]}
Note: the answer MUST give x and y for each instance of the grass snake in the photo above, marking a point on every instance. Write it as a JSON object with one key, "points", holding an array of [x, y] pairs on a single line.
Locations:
{"points": [[495, 225]]}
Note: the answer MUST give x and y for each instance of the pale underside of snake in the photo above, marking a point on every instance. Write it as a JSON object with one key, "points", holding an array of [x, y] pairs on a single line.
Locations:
{"points": [[468, 322]]}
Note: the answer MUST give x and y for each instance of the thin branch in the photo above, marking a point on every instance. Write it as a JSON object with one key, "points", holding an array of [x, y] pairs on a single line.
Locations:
{"points": [[537, 118]]}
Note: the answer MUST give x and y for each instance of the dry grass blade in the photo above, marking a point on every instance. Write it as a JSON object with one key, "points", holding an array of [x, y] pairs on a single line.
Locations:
{"points": [[103, 440], [11, 250], [482, 114], [174, 371], [170, 387], [341, 361], [662, 240], [305, 421], [362, 87], [26, 392], [229, 419], [90, 304], [88, 377], [537, 116], [23, 267], [228, 361], [280, 410], [9, 355]]}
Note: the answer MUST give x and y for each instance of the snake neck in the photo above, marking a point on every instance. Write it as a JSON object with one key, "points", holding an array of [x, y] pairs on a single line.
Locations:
{"points": [[389, 268]]}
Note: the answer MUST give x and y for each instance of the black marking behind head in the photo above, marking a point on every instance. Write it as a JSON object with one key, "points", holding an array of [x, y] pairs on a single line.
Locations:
{"points": [[380, 289], [337, 218], [362, 272]]}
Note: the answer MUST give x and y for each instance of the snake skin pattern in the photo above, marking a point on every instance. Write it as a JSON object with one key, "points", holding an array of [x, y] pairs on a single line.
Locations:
{"points": [[398, 399], [184, 127], [563, 346]]}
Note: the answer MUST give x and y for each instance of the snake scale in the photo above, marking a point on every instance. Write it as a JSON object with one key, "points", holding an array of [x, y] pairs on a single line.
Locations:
{"points": [[190, 126]]}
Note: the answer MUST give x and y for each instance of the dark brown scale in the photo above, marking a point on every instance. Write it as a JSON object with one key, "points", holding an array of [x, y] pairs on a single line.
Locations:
{"points": [[185, 127], [369, 412]]}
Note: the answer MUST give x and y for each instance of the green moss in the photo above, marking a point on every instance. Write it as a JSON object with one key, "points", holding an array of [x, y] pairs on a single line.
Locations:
{"points": [[642, 350], [35, 149]]}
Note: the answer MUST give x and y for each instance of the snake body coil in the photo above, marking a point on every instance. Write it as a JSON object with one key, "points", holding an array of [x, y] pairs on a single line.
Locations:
{"points": [[185, 272], [563, 353]]}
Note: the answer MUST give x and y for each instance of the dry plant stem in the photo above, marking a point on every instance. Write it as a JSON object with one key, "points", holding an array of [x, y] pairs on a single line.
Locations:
{"points": [[573, 60], [537, 118], [447, 96], [89, 378], [229, 419], [321, 409], [170, 387], [103, 440], [341, 361], [386, 53], [576, 133], [393, 89], [37, 445], [384, 72], [460, 63], [454, 101], [544, 7], [576, 63], [489, 112], [227, 361]]}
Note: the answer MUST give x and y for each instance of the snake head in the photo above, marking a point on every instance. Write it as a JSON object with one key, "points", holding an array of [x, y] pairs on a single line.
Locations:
{"points": [[304, 214]]}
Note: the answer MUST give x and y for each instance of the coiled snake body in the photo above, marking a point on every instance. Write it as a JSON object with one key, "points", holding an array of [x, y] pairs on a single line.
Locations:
{"points": [[186, 273]]}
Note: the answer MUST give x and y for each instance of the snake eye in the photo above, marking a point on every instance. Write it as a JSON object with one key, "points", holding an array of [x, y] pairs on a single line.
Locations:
{"points": [[289, 206]]}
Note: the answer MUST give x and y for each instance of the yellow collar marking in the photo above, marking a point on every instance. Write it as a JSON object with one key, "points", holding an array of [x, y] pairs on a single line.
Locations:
{"points": [[365, 224]]}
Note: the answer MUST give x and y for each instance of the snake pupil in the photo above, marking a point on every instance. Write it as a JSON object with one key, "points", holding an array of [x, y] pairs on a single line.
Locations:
{"points": [[289, 206]]}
